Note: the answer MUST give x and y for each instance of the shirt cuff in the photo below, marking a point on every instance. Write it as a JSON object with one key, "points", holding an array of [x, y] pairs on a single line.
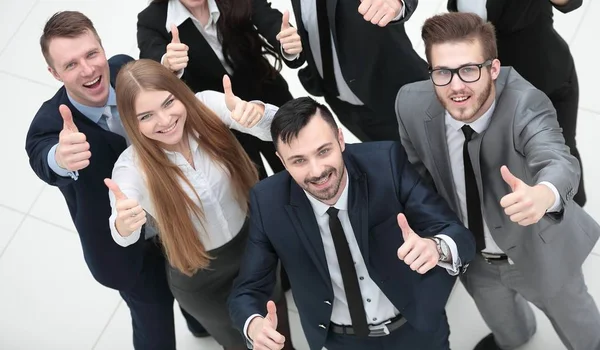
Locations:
{"points": [[178, 73], [556, 207], [452, 267], [289, 57], [56, 168], [246, 325], [120, 240], [402, 12], [265, 122]]}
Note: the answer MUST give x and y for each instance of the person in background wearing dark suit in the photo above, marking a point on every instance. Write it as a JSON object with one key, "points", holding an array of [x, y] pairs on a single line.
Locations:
{"points": [[361, 237], [73, 143], [205, 39], [528, 42], [358, 57]]}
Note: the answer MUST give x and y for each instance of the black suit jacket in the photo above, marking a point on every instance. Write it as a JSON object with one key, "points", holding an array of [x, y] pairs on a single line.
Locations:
{"points": [[528, 42], [204, 70], [87, 197], [376, 62], [382, 184]]}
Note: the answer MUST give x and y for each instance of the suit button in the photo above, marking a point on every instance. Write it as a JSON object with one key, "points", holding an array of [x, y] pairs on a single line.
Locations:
{"points": [[368, 300], [322, 326], [327, 302]]}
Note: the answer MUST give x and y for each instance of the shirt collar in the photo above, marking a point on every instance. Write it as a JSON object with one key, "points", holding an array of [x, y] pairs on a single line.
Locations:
{"points": [[177, 14], [94, 113], [321, 208], [478, 126]]}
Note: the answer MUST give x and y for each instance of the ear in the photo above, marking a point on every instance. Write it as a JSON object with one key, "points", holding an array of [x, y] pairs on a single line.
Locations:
{"points": [[281, 159], [341, 140], [495, 68], [54, 74]]}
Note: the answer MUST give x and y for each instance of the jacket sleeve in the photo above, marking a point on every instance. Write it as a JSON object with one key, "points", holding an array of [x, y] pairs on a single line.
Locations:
{"points": [[571, 5], [427, 213], [151, 41], [41, 137], [256, 279]]}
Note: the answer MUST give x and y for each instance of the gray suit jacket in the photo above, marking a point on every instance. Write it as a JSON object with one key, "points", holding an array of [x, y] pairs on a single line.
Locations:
{"points": [[525, 136]]}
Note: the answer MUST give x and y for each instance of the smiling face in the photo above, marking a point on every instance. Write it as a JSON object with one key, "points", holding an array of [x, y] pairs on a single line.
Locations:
{"points": [[80, 63], [465, 102], [161, 117], [314, 160]]}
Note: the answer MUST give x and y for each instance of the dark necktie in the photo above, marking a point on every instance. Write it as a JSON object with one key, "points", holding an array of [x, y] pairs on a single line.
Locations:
{"points": [[326, 48], [473, 202], [349, 277]]}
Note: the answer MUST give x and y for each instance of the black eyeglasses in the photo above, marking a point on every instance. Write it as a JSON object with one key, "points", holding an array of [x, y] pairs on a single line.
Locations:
{"points": [[469, 73]]}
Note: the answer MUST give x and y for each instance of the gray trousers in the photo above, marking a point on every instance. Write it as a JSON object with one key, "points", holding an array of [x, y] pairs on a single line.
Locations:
{"points": [[502, 294]]}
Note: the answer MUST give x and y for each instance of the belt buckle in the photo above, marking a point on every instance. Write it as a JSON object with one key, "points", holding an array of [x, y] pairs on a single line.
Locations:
{"points": [[489, 256], [379, 330]]}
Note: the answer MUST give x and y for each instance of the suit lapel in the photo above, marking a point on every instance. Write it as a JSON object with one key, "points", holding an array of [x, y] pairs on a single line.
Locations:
{"points": [[205, 58], [436, 135], [305, 223], [358, 206]]}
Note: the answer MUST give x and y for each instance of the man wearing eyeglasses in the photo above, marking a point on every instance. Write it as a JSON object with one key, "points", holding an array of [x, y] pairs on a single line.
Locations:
{"points": [[491, 144]]}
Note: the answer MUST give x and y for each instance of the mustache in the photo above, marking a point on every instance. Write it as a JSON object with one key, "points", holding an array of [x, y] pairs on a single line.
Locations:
{"points": [[324, 174]]}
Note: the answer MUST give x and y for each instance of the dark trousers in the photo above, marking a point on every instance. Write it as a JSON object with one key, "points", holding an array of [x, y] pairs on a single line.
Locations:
{"points": [[405, 337], [364, 123], [151, 305], [566, 102]]}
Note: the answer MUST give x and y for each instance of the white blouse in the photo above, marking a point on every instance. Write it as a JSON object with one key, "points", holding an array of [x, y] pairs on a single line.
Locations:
{"points": [[223, 216]]}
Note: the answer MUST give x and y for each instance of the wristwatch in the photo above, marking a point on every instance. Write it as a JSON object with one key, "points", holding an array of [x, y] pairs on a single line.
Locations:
{"points": [[442, 248]]}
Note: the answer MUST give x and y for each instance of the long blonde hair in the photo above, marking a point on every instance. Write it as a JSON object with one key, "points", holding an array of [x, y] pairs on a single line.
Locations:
{"points": [[179, 237]]}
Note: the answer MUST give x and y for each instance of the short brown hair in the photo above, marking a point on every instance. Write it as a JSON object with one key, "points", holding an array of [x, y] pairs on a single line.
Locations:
{"points": [[65, 24], [457, 27]]}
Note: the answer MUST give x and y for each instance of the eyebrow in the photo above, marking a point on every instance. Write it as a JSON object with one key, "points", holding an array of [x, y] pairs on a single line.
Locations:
{"points": [[462, 65], [162, 104], [328, 144]]}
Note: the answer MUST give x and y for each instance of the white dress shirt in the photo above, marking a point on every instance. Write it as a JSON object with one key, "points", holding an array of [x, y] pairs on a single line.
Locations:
{"points": [[223, 216], [455, 139], [309, 19], [378, 307], [477, 7]]}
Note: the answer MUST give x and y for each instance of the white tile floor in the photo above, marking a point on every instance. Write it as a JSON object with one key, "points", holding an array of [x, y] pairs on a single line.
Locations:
{"points": [[48, 299]]}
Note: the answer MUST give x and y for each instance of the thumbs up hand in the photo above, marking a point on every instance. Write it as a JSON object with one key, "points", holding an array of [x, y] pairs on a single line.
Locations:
{"points": [[380, 12], [525, 205], [419, 253], [176, 57], [73, 151], [130, 214], [263, 333], [244, 113], [288, 36]]}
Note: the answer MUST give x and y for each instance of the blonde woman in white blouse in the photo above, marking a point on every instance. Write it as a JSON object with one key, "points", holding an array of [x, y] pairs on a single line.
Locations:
{"points": [[186, 170]]}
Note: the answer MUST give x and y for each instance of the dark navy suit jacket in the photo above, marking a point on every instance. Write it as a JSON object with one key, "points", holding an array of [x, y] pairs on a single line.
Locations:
{"points": [[87, 197], [382, 184]]}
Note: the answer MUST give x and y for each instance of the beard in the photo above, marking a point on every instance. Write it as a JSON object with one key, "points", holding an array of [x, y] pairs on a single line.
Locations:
{"points": [[467, 113], [332, 190]]}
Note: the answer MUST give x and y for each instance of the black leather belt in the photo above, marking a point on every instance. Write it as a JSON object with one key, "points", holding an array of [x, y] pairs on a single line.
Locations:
{"points": [[379, 330], [492, 258]]}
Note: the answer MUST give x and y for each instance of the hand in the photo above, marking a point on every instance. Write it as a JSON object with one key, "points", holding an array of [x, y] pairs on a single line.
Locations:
{"points": [[262, 331], [73, 151], [288, 36], [380, 12], [130, 214], [419, 253], [176, 57], [526, 205], [245, 113]]}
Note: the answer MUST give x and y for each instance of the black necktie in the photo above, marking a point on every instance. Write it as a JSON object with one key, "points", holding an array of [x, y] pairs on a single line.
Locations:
{"points": [[473, 202], [342, 250], [326, 48]]}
